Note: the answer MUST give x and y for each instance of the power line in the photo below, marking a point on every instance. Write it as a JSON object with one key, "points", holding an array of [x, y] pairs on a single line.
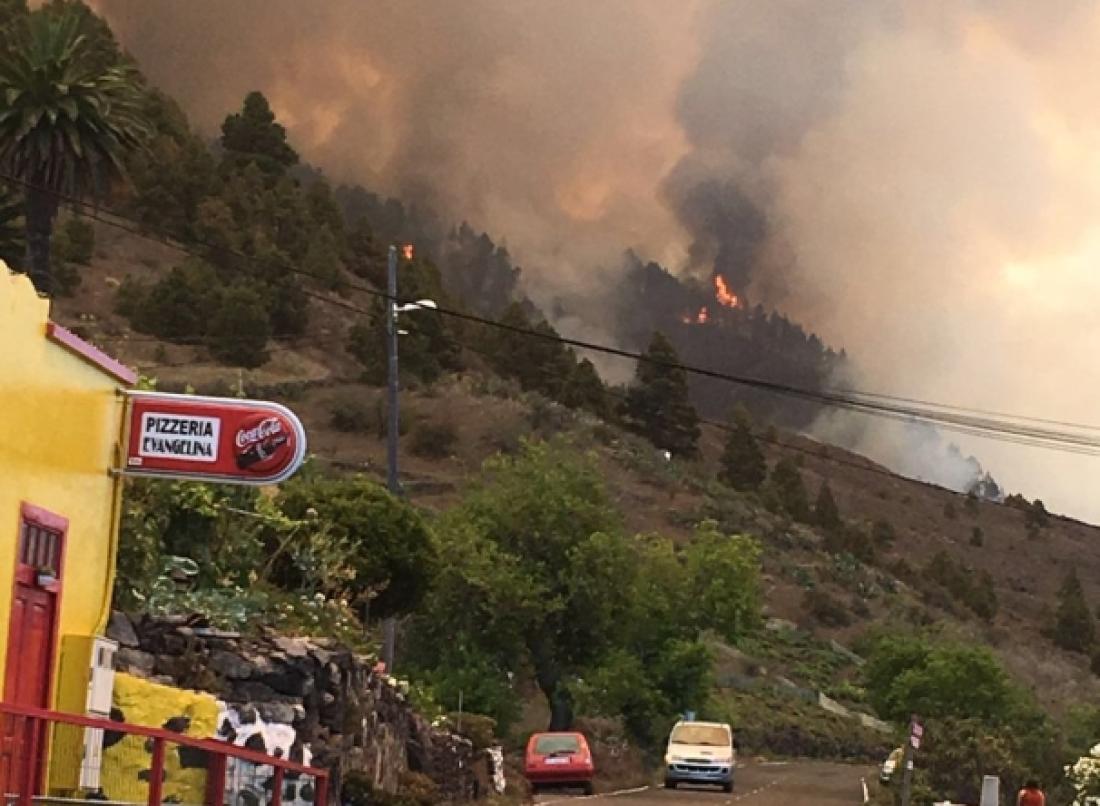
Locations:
{"points": [[976, 422]]}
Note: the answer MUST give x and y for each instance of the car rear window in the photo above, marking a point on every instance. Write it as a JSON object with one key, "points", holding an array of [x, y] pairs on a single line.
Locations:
{"points": [[546, 745], [701, 734]]}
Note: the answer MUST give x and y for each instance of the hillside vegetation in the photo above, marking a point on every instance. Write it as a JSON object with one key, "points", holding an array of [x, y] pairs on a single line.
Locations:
{"points": [[566, 550]]}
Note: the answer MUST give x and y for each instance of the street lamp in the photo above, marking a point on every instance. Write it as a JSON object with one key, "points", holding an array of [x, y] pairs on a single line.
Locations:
{"points": [[389, 625]]}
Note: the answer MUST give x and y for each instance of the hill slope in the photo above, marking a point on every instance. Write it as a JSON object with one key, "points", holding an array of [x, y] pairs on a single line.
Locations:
{"points": [[485, 414]]}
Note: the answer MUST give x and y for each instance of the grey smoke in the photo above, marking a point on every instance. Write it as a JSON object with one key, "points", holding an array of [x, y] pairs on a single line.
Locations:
{"points": [[917, 182]]}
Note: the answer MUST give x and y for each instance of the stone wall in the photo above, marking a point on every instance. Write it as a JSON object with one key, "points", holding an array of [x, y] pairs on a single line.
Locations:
{"points": [[350, 718]]}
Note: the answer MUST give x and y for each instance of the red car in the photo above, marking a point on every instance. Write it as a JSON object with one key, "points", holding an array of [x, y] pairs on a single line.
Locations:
{"points": [[559, 759]]}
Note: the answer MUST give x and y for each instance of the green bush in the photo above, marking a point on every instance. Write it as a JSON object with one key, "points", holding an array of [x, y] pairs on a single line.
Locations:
{"points": [[882, 533], [977, 537], [75, 241], [1074, 628], [434, 440], [825, 609], [352, 415], [239, 329], [178, 306], [64, 275], [131, 297], [790, 490], [908, 674], [479, 729], [971, 503]]}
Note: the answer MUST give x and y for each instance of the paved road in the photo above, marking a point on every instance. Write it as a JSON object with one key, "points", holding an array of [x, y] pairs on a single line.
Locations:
{"points": [[788, 784]]}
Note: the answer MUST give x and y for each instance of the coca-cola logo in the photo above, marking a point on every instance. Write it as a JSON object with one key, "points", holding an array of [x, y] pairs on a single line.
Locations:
{"points": [[262, 443]]}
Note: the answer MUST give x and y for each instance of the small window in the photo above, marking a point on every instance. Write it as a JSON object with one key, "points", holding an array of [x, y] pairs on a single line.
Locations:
{"points": [[40, 548]]}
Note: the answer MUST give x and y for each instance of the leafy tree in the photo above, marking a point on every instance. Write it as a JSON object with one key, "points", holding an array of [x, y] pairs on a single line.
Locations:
{"points": [[743, 465], [253, 135], [790, 490], [393, 556], [547, 582], [69, 117], [826, 512], [1074, 628], [960, 752], [911, 674], [657, 404], [725, 573], [163, 519], [239, 329]]}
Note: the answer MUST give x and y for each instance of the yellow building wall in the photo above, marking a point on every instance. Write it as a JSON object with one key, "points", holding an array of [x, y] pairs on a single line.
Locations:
{"points": [[60, 420]]}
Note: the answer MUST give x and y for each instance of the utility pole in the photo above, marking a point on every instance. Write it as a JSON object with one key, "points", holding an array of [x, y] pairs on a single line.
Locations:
{"points": [[389, 624]]}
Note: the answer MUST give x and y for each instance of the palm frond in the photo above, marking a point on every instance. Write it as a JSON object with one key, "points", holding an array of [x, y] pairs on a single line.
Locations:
{"points": [[66, 120]]}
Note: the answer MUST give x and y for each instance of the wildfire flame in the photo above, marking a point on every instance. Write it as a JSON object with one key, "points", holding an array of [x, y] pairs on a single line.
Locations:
{"points": [[699, 318], [723, 293]]}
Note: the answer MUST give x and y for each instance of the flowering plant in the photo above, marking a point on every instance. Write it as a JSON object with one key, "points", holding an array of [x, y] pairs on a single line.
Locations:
{"points": [[1084, 775]]}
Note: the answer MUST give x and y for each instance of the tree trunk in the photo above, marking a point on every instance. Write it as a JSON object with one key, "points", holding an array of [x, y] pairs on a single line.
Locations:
{"points": [[561, 708], [40, 212], [549, 675]]}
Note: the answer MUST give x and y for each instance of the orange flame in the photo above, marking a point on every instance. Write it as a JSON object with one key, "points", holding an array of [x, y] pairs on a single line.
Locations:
{"points": [[699, 318], [723, 293]]}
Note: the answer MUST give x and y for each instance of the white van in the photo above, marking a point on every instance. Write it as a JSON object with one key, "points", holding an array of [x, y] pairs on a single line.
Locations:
{"points": [[700, 753]]}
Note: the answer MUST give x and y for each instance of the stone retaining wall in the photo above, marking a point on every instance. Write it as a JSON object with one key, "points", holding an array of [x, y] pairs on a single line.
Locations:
{"points": [[351, 718]]}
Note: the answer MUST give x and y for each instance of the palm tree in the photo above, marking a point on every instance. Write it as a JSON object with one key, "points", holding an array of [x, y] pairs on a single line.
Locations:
{"points": [[11, 228], [67, 118]]}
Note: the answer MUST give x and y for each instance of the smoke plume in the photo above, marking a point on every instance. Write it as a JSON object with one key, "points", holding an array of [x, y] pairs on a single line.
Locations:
{"points": [[917, 182]]}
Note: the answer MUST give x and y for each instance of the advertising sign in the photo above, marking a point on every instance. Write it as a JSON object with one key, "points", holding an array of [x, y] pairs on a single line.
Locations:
{"points": [[212, 439]]}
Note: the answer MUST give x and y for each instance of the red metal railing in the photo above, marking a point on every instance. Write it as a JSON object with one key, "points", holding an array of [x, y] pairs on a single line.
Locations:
{"points": [[52, 757]]}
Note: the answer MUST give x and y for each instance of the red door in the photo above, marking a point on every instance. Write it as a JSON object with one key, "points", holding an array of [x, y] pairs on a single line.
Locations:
{"points": [[30, 647], [32, 634]]}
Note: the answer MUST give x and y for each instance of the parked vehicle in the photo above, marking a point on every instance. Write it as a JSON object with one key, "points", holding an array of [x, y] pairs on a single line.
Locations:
{"points": [[700, 753], [890, 765], [560, 760]]}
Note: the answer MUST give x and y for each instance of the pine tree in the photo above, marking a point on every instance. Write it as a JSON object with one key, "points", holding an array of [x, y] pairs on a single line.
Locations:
{"points": [[239, 328], [1074, 629], [743, 465], [252, 135], [790, 489], [585, 389], [657, 405], [826, 512]]}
